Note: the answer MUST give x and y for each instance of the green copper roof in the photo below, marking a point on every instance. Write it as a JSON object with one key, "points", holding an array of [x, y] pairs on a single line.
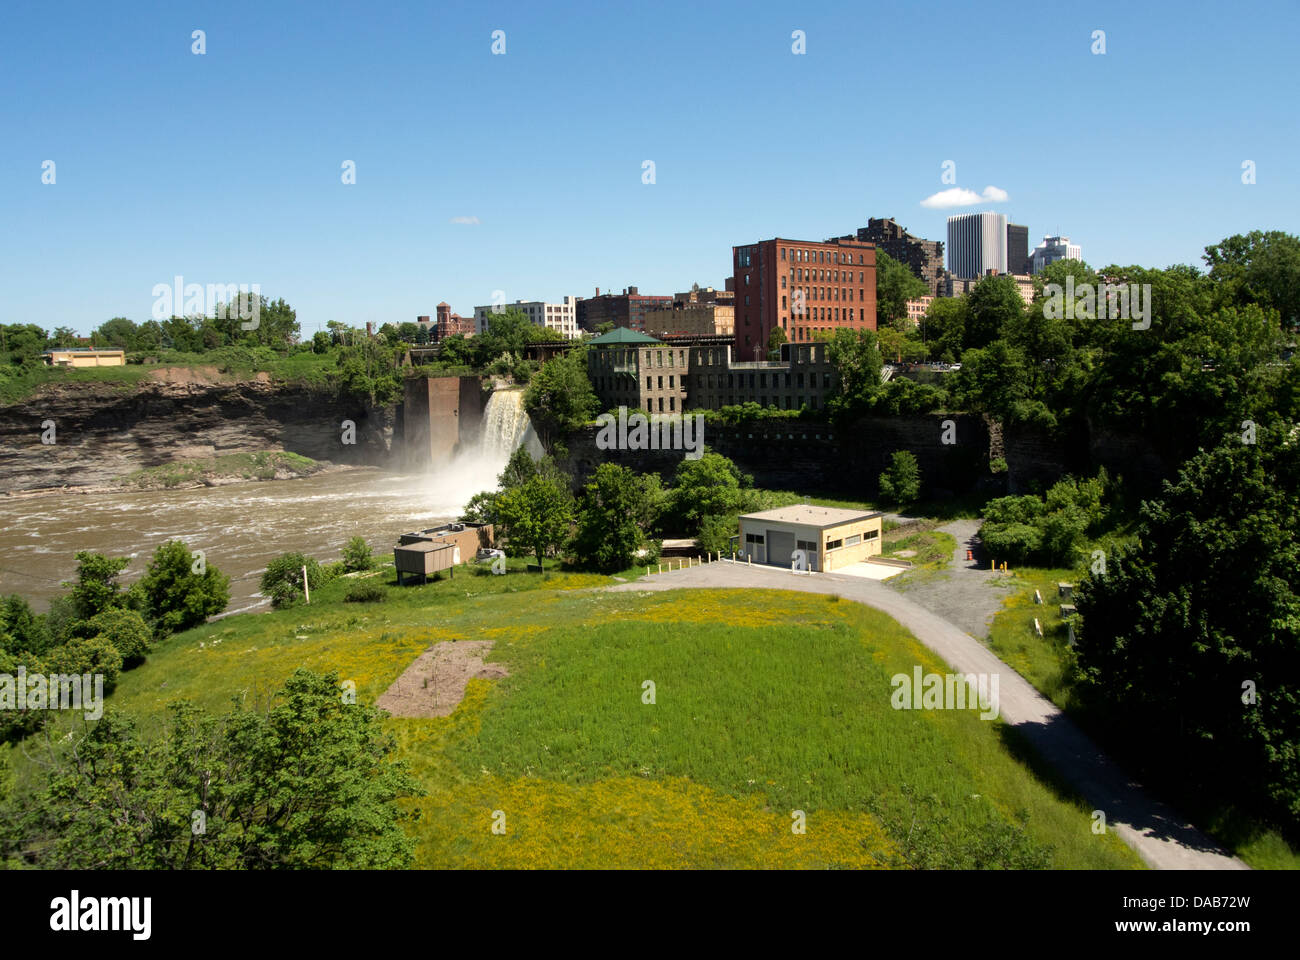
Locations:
{"points": [[620, 336]]}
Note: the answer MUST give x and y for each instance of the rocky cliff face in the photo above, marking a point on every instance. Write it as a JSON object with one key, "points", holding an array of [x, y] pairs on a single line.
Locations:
{"points": [[101, 431], [804, 455]]}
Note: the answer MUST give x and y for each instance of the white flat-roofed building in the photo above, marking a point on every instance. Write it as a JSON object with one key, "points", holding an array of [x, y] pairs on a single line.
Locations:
{"points": [[829, 537], [560, 317], [1053, 249]]}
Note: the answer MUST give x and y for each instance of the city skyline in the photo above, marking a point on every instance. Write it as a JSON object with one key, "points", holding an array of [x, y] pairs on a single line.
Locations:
{"points": [[477, 172]]}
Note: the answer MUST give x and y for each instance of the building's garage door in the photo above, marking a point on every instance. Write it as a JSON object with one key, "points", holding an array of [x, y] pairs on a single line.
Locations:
{"points": [[780, 546]]}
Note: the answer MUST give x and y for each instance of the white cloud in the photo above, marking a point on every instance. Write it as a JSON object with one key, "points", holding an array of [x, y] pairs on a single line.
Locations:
{"points": [[473, 221], [961, 197]]}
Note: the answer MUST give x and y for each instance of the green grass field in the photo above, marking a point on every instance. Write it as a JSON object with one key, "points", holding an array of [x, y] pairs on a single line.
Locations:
{"points": [[766, 703]]}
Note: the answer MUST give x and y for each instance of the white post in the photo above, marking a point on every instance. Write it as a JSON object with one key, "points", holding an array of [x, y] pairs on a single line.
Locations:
{"points": [[306, 590]]}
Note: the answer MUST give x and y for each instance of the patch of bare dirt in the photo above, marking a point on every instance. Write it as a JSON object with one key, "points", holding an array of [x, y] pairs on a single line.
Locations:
{"points": [[186, 375], [434, 685]]}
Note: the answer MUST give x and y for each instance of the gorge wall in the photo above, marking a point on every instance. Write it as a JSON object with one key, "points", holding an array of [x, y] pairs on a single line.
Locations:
{"points": [[103, 431], [803, 455]]}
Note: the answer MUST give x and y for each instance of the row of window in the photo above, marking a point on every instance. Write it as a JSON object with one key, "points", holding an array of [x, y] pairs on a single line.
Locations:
{"points": [[820, 293], [799, 274], [818, 256], [819, 313]]}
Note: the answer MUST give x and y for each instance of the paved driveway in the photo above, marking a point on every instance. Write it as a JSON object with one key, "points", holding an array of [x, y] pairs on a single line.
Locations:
{"points": [[1162, 838]]}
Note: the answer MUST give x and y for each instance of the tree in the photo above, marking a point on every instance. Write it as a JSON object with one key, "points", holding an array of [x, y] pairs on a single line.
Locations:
{"points": [[610, 516], [118, 334], [895, 285], [307, 784], [356, 555], [774, 341], [96, 588], [1259, 267], [857, 360], [944, 327], [901, 483], [21, 629], [991, 306], [180, 591], [537, 515], [320, 342], [1190, 642], [559, 398], [707, 486]]}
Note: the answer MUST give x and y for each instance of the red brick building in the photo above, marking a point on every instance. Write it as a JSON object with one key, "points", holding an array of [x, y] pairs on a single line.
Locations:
{"points": [[801, 287], [450, 324]]}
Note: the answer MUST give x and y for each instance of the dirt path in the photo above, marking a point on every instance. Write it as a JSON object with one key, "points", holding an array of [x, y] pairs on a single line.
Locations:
{"points": [[434, 684], [1162, 838], [968, 593]]}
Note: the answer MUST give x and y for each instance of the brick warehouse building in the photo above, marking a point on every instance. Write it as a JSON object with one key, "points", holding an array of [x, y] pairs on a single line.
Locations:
{"points": [[627, 310], [801, 287]]}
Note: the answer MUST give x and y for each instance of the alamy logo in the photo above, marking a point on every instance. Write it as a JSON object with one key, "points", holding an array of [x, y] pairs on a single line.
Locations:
{"points": [[55, 691], [1107, 301], [224, 301], [638, 432], [70, 914], [945, 691]]}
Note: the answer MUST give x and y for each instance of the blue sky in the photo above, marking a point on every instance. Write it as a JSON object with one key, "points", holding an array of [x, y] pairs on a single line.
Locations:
{"points": [[226, 167]]}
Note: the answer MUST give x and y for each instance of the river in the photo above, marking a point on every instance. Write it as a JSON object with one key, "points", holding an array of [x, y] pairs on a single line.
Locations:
{"points": [[241, 526]]}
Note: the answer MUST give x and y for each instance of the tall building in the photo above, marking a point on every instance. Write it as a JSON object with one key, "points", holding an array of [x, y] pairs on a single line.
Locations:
{"points": [[924, 257], [802, 288], [1053, 249], [977, 243], [560, 317], [627, 309], [1017, 249]]}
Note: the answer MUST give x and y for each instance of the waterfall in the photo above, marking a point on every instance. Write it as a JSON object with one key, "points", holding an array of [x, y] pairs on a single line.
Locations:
{"points": [[505, 425]]}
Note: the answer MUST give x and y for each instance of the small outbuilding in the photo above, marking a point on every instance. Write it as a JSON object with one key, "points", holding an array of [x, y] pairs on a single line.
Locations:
{"points": [[425, 558], [829, 537]]}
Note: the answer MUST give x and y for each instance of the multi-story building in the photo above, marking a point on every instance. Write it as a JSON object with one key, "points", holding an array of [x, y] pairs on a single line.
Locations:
{"points": [[1017, 249], [632, 370], [1053, 249], [924, 257], [560, 317], [916, 309], [707, 312], [627, 309], [446, 324], [977, 243], [802, 288]]}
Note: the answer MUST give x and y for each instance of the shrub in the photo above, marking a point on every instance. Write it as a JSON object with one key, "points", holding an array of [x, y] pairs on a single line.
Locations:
{"points": [[282, 580], [356, 556], [366, 593], [127, 631], [716, 533], [93, 655]]}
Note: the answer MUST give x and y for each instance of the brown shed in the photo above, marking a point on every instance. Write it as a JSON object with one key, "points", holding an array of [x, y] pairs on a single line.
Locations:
{"points": [[425, 558]]}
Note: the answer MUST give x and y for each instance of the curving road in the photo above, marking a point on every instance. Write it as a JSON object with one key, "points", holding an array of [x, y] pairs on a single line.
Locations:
{"points": [[1162, 838]]}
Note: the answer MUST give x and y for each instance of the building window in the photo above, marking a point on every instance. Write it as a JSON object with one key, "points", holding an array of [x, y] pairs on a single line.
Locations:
{"points": [[834, 544], [871, 534], [853, 541], [754, 538]]}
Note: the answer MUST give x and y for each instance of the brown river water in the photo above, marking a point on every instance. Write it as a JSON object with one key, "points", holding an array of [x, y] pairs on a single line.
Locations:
{"points": [[239, 527]]}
